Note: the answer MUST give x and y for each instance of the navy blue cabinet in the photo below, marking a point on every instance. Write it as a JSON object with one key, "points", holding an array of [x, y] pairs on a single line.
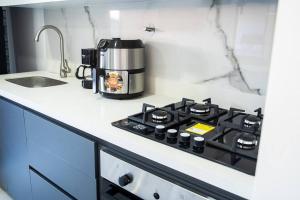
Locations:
{"points": [[42, 190], [29, 141], [14, 168], [62, 156]]}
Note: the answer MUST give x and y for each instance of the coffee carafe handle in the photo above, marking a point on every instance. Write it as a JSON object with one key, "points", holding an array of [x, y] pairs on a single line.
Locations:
{"points": [[84, 67]]}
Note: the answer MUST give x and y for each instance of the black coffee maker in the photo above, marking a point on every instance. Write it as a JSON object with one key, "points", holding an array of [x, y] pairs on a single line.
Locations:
{"points": [[85, 70]]}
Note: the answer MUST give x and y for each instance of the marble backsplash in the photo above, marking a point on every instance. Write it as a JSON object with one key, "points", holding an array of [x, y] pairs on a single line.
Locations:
{"points": [[201, 48]]}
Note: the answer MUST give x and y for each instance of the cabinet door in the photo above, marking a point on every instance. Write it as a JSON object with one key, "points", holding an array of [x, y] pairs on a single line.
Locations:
{"points": [[42, 190], [14, 168], [64, 157]]}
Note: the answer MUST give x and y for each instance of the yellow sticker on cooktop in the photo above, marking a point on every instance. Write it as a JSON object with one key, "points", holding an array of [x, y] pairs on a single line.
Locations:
{"points": [[200, 129]]}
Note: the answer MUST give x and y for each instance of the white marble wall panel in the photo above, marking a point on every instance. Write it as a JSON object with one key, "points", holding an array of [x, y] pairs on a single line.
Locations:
{"points": [[218, 48]]}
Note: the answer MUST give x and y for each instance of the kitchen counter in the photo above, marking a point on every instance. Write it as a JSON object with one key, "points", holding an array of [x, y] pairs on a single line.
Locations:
{"points": [[93, 114]]}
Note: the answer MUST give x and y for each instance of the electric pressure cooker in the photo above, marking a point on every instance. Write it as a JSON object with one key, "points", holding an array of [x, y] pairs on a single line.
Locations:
{"points": [[120, 70]]}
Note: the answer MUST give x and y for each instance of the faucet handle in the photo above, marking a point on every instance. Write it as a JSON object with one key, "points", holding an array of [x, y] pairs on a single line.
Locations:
{"points": [[64, 69], [66, 66]]}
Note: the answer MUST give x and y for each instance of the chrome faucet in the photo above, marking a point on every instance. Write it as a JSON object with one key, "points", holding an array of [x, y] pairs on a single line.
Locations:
{"points": [[64, 67]]}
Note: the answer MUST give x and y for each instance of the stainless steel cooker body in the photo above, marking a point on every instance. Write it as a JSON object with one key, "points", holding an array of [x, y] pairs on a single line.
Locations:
{"points": [[122, 70], [122, 59]]}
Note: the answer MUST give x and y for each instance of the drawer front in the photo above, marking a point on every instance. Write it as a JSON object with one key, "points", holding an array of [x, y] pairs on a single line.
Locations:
{"points": [[76, 151], [42, 190], [64, 157], [61, 173]]}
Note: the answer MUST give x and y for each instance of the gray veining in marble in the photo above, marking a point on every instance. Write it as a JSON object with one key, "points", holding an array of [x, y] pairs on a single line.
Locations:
{"points": [[235, 76], [91, 22], [219, 46], [66, 32]]}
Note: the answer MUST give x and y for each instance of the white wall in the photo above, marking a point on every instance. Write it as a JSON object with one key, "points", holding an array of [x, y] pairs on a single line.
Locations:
{"points": [[278, 168], [189, 55]]}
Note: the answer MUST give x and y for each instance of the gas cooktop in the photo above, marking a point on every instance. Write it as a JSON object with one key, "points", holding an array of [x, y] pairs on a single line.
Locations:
{"points": [[229, 137]]}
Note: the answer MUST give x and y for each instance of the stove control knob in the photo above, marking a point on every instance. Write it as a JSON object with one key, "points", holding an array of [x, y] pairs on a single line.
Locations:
{"points": [[172, 136], [160, 129], [185, 139], [159, 132], [125, 179], [198, 143], [156, 195], [172, 133]]}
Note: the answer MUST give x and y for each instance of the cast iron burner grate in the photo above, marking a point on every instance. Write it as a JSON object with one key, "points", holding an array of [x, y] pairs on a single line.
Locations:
{"points": [[233, 136], [205, 111], [230, 138], [153, 116]]}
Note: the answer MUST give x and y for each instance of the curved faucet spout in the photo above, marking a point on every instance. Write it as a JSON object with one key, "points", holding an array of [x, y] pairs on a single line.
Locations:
{"points": [[64, 67]]}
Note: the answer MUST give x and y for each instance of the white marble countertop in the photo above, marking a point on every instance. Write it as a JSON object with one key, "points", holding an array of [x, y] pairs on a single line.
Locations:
{"points": [[93, 114]]}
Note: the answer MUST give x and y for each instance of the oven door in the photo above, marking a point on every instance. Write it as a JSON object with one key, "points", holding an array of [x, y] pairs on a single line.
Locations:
{"points": [[123, 181], [111, 191]]}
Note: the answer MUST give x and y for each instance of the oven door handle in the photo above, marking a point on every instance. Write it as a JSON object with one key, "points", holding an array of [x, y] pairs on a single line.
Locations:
{"points": [[109, 197], [116, 193]]}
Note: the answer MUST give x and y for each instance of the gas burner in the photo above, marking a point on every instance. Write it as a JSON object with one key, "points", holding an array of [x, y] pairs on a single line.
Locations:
{"points": [[238, 120], [251, 120], [239, 133], [200, 109], [159, 116], [229, 137], [246, 141], [205, 111], [152, 116]]}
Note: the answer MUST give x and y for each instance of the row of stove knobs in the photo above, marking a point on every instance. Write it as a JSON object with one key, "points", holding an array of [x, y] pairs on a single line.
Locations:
{"points": [[184, 138]]}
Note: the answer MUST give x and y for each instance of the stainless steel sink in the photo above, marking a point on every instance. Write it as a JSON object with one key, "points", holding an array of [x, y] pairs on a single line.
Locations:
{"points": [[36, 81]]}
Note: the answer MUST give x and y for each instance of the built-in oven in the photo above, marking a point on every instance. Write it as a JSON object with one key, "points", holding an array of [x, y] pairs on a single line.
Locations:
{"points": [[121, 180]]}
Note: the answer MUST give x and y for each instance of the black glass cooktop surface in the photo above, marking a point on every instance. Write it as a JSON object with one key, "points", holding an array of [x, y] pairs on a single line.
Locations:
{"points": [[228, 137]]}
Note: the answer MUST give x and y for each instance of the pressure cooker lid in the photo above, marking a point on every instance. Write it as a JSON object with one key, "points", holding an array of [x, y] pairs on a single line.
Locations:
{"points": [[117, 43]]}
